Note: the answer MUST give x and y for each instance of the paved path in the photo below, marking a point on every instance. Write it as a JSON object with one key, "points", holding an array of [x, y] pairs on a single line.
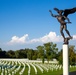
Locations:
{"points": [[71, 73]]}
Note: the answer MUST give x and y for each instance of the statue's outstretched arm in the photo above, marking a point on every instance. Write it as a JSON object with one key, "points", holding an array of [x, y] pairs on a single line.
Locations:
{"points": [[52, 14]]}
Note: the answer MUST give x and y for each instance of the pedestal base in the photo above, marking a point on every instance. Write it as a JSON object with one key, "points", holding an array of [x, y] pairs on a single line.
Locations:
{"points": [[66, 40], [65, 60]]}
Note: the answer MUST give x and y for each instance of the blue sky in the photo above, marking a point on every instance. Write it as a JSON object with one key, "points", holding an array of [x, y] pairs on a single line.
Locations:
{"points": [[28, 23]]}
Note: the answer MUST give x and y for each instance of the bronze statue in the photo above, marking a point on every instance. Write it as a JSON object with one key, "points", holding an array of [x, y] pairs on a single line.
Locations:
{"points": [[61, 17]]}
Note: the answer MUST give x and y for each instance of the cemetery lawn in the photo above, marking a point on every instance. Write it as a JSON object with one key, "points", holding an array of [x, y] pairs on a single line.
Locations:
{"points": [[22, 68], [58, 72], [54, 72]]}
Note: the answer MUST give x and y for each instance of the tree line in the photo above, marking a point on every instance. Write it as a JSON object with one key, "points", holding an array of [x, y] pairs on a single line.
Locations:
{"points": [[48, 51]]}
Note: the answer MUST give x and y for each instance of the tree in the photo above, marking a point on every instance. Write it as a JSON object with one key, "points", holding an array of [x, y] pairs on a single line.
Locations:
{"points": [[60, 56], [2, 54], [17, 53], [10, 54], [30, 54], [51, 50], [35, 52], [21, 53], [0, 49], [41, 52], [72, 54]]}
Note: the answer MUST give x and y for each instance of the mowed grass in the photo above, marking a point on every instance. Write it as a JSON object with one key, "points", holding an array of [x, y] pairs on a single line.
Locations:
{"points": [[50, 72], [54, 72]]}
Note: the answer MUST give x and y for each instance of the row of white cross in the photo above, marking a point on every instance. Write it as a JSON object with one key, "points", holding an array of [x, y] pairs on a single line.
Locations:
{"points": [[14, 67]]}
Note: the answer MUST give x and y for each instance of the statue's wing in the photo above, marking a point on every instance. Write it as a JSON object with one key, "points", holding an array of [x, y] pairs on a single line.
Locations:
{"points": [[69, 11]]}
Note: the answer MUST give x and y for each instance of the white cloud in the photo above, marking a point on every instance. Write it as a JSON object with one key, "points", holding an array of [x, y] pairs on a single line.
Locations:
{"points": [[74, 37], [51, 37], [18, 40]]}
